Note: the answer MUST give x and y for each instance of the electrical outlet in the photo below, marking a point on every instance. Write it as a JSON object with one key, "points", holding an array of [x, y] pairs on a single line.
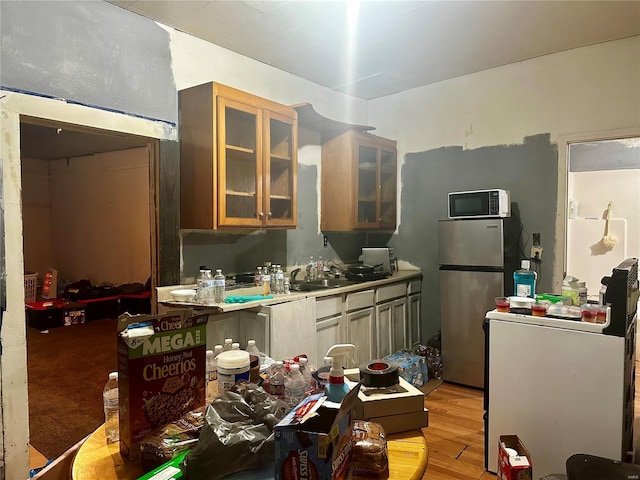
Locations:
{"points": [[325, 241], [536, 252]]}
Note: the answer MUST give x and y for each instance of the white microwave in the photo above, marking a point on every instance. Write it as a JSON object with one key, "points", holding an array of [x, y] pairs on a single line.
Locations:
{"points": [[480, 204]]}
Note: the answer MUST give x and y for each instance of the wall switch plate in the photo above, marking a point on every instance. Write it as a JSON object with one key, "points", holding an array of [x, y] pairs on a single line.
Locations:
{"points": [[536, 252]]}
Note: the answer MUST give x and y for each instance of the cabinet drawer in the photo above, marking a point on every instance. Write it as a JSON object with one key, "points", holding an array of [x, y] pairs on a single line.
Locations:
{"points": [[415, 286], [389, 292], [359, 300], [328, 306]]}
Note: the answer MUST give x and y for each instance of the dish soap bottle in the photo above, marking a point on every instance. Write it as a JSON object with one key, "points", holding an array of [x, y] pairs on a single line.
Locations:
{"points": [[524, 280], [336, 389]]}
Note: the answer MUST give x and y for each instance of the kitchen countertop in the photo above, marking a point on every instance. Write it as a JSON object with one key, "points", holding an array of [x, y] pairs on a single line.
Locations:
{"points": [[164, 293]]}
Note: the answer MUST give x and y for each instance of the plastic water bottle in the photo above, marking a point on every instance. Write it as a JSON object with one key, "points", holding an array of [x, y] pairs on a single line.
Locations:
{"points": [[111, 417], [320, 268], [212, 374], [228, 342], [275, 380], [279, 281], [266, 282], [253, 349], [323, 373], [306, 373], [235, 346], [218, 287], [200, 285], [525, 280], [257, 278], [294, 386], [207, 287]]}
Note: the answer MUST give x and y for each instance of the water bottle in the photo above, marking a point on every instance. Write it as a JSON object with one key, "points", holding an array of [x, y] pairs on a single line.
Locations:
{"points": [[525, 280], [320, 268], [228, 342], [275, 380], [235, 346], [111, 417], [257, 279], [253, 349], [306, 373], [200, 287], [294, 386], [207, 287], [266, 282], [212, 376], [218, 287], [323, 372], [279, 282]]}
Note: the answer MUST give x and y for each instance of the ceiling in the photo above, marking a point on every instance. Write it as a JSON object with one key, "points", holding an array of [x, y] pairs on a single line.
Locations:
{"points": [[391, 46]]}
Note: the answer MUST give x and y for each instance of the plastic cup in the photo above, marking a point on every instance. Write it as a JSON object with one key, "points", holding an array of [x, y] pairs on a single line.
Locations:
{"points": [[502, 304], [589, 313], [601, 314], [539, 309]]}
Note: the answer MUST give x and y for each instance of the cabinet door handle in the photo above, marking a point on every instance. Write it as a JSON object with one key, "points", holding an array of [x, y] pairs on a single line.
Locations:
{"points": [[261, 214], [380, 219], [268, 214]]}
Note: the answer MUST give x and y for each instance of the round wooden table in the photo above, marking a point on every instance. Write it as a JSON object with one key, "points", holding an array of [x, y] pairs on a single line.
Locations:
{"points": [[408, 455]]}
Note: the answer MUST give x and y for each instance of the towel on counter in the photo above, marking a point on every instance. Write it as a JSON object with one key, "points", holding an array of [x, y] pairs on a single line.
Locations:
{"points": [[246, 298]]}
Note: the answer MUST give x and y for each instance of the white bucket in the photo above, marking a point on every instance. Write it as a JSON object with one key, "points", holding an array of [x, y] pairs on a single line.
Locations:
{"points": [[233, 366]]}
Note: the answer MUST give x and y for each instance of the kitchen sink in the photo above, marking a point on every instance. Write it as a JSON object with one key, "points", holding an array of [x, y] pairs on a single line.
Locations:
{"points": [[321, 284]]}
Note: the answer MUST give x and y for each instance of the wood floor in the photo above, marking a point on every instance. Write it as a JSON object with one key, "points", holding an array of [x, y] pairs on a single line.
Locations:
{"points": [[455, 435]]}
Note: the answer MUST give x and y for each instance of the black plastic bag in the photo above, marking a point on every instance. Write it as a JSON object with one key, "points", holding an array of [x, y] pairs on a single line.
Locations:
{"points": [[237, 434]]}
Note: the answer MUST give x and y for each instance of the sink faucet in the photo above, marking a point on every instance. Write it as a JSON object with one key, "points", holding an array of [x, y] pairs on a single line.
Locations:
{"points": [[292, 275]]}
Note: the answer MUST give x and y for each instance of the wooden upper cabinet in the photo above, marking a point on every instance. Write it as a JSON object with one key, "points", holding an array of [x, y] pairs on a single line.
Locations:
{"points": [[359, 183], [239, 160]]}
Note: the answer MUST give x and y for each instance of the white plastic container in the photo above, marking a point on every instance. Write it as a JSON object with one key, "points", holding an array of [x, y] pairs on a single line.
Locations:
{"points": [[294, 387], [111, 416], [233, 366]]}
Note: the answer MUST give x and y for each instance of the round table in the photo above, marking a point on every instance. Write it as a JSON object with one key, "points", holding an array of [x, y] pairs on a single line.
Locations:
{"points": [[408, 455]]}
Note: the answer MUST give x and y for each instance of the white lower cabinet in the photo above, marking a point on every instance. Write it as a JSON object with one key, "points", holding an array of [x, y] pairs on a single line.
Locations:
{"points": [[361, 331], [413, 318], [221, 326], [328, 333], [391, 326]]}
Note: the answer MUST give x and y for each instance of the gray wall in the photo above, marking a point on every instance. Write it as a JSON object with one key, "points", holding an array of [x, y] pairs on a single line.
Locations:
{"points": [[90, 52], [528, 171]]}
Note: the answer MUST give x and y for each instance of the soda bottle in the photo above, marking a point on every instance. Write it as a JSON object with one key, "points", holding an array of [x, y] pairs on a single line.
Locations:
{"points": [[275, 380]]}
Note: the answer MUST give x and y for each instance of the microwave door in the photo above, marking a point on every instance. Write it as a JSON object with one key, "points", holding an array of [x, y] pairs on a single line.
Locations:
{"points": [[469, 204]]}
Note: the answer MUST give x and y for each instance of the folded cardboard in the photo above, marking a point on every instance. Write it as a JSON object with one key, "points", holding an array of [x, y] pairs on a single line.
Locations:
{"points": [[161, 372], [514, 460], [315, 446], [402, 422], [403, 399]]}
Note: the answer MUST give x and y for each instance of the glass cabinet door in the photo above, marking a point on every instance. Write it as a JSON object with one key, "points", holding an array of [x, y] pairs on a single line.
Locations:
{"points": [[367, 161], [240, 167], [387, 207], [280, 170]]}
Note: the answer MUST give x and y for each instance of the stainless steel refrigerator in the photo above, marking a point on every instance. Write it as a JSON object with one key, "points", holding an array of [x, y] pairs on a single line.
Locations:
{"points": [[477, 259]]}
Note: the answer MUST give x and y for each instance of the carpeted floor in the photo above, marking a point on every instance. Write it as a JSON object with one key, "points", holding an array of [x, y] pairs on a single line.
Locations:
{"points": [[67, 369]]}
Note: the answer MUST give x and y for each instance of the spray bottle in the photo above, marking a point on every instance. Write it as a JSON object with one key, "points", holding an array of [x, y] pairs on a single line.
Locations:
{"points": [[336, 389]]}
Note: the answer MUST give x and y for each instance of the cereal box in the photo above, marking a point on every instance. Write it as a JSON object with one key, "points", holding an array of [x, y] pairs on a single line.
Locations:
{"points": [[161, 372]]}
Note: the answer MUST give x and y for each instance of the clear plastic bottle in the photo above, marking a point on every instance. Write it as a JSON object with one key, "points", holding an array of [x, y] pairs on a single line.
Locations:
{"points": [[294, 386], [266, 282], [235, 346], [311, 269], [279, 281], [525, 280], [252, 348], [275, 380], [306, 373], [320, 268], [228, 342], [212, 376], [200, 287], [218, 287], [207, 287], [111, 416], [257, 279]]}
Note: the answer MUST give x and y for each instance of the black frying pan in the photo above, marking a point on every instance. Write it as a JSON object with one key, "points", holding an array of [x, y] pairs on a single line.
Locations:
{"points": [[363, 268]]}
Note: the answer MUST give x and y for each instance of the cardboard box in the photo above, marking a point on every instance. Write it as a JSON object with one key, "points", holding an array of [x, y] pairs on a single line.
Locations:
{"points": [[74, 313], [377, 403], [318, 447], [161, 372], [513, 467], [402, 422]]}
